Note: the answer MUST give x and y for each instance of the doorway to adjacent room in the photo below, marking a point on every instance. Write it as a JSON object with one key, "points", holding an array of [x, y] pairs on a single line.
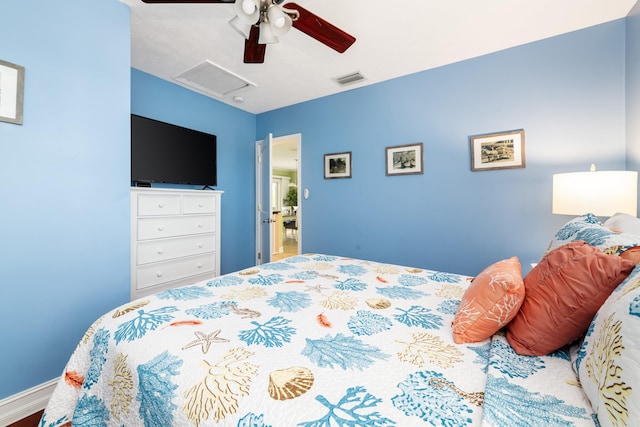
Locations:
{"points": [[279, 214]]}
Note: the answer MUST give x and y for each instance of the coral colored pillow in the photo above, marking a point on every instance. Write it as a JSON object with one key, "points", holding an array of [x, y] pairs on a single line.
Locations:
{"points": [[490, 302], [562, 294], [632, 254]]}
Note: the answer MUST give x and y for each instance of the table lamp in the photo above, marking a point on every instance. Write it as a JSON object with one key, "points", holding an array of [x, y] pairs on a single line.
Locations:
{"points": [[602, 193]]}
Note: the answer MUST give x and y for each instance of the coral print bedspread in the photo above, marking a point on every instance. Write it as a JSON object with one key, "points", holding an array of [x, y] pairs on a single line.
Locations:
{"points": [[311, 341]]}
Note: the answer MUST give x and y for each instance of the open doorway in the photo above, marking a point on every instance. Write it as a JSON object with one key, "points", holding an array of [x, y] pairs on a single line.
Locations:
{"points": [[285, 196]]}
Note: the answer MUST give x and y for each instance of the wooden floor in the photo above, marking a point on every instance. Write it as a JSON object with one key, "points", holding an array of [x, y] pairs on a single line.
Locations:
{"points": [[30, 421], [290, 249]]}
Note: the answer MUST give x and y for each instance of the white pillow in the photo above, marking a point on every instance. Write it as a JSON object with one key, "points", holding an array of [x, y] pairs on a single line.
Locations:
{"points": [[624, 222]]}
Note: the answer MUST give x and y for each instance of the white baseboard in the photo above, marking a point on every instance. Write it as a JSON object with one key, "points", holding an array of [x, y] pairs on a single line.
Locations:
{"points": [[25, 403]]}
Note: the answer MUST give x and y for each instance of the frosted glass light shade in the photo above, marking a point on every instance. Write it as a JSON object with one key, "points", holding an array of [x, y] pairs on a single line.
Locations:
{"points": [[266, 34], [248, 10], [242, 27], [280, 22], [602, 193], [248, 6]]}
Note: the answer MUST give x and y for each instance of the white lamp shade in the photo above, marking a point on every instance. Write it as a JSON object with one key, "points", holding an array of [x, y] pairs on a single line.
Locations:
{"points": [[242, 27], [248, 10], [280, 22], [266, 34], [602, 193]]}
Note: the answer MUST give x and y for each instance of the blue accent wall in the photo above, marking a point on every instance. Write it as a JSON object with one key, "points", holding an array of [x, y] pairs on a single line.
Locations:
{"points": [[64, 182], [566, 92], [633, 89], [65, 172], [235, 130]]}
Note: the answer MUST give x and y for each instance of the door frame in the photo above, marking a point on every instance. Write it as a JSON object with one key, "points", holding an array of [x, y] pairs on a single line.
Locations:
{"points": [[261, 187], [259, 196]]}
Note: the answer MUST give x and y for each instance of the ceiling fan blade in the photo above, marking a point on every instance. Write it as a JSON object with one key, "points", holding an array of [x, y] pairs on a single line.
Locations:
{"points": [[254, 51], [188, 1], [321, 30]]}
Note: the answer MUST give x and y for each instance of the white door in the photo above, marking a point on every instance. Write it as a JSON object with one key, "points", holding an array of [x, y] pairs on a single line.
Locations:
{"points": [[264, 213]]}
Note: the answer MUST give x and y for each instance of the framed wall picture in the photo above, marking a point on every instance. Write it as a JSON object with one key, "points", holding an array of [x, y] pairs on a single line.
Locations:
{"points": [[504, 150], [337, 165], [11, 92], [405, 159]]}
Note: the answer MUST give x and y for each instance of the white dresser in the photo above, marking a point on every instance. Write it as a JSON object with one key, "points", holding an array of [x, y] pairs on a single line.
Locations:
{"points": [[175, 238]]}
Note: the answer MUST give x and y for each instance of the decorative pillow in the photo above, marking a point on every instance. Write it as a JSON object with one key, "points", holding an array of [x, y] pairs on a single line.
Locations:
{"points": [[490, 302], [632, 254], [562, 294], [624, 223], [608, 362], [589, 229]]}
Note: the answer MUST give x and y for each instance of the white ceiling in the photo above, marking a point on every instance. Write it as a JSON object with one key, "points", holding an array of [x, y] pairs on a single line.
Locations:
{"points": [[284, 153], [393, 38]]}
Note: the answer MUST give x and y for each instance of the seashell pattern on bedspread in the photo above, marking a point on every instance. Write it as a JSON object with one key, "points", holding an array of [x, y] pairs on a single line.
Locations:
{"points": [[313, 340]]}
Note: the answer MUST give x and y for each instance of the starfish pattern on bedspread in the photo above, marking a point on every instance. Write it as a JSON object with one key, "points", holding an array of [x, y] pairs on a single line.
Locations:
{"points": [[205, 340]]}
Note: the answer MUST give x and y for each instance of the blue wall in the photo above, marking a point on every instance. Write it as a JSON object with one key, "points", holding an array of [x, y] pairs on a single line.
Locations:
{"points": [[566, 92], [633, 89], [64, 186], [235, 129]]}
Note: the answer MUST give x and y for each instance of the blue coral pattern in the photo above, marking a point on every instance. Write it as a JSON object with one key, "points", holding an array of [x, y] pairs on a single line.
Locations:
{"points": [[313, 341]]}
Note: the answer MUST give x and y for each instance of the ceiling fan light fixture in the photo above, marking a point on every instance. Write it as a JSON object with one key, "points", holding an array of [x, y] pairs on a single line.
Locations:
{"points": [[276, 16], [240, 26], [248, 10], [267, 35], [280, 22], [249, 6]]}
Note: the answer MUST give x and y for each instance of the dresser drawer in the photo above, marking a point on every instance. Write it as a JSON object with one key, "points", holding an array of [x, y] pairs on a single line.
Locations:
{"points": [[198, 205], [165, 249], [149, 204], [155, 228], [175, 238], [161, 272]]}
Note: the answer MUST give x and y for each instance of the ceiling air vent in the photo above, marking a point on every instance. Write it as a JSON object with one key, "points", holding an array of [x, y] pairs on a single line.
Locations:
{"points": [[211, 79], [349, 78]]}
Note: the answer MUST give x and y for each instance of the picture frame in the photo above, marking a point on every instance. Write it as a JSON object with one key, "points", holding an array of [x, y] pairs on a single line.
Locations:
{"points": [[11, 92], [502, 150], [337, 165], [405, 159]]}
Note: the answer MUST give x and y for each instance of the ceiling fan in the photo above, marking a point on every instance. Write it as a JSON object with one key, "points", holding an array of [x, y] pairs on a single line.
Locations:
{"points": [[262, 21]]}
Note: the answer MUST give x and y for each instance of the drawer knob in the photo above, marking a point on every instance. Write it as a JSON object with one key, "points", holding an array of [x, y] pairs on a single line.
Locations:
{"points": [[160, 228], [160, 251], [161, 205], [199, 225], [159, 274], [200, 205], [200, 245], [199, 265]]}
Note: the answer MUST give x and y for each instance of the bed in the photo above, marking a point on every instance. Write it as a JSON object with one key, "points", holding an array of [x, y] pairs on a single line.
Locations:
{"points": [[318, 340]]}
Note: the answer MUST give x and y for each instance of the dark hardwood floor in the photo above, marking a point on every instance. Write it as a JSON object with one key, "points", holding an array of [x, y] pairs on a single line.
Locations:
{"points": [[30, 421]]}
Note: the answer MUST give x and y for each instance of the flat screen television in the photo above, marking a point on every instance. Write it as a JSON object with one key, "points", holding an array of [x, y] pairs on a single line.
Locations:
{"points": [[162, 152]]}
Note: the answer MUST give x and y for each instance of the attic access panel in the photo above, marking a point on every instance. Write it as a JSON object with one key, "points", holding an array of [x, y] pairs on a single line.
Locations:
{"points": [[212, 79]]}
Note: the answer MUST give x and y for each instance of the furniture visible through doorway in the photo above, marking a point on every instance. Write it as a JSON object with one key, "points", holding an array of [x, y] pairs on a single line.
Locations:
{"points": [[291, 226]]}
